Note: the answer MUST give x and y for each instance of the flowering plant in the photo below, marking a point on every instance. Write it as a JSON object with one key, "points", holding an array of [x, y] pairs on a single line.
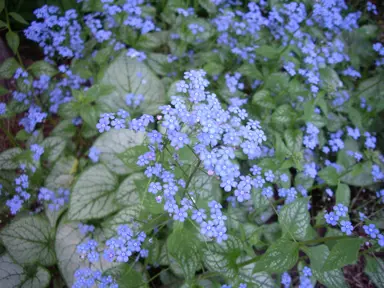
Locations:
{"points": [[205, 143]]}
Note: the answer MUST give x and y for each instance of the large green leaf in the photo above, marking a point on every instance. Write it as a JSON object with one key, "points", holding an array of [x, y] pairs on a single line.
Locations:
{"points": [[293, 139], [114, 142], [279, 257], [62, 173], [374, 268], [128, 75], [29, 240], [127, 192], [222, 257], [127, 215], [344, 252], [53, 147], [93, 195], [359, 176], [39, 279], [294, 219], [184, 248], [329, 175], [68, 237], [7, 159], [254, 279], [11, 273], [318, 255]]}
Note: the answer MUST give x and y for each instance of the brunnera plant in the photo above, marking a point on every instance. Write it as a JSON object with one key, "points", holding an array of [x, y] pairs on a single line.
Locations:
{"points": [[205, 143]]}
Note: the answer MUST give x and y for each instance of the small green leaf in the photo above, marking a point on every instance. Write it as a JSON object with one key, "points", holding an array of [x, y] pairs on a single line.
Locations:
{"points": [[114, 142], [2, 23], [8, 68], [13, 40], [250, 70], [329, 175], [294, 139], [279, 257], [93, 195], [184, 248], [18, 18], [267, 51], [39, 68], [294, 219], [318, 255], [344, 252], [3, 91], [208, 5], [284, 114], [343, 194], [263, 98], [28, 240], [8, 159], [53, 147]]}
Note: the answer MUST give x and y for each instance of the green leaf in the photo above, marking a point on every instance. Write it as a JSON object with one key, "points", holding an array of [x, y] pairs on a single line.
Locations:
{"points": [[250, 70], [329, 175], [222, 257], [294, 219], [29, 240], [39, 68], [39, 279], [114, 142], [152, 40], [263, 98], [279, 257], [62, 173], [11, 273], [359, 176], [8, 159], [3, 91], [130, 156], [8, 68], [374, 268], [344, 252], [255, 279], [2, 23], [318, 255], [18, 18], [267, 51], [294, 139], [22, 135], [53, 147], [68, 237], [93, 195], [343, 194], [330, 80], [64, 128], [213, 68], [2, 5], [127, 193], [127, 215], [132, 278], [128, 75], [184, 248], [13, 40], [284, 114], [208, 5]]}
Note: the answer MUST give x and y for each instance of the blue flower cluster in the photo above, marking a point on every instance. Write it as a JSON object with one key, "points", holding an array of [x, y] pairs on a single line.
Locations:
{"points": [[59, 34], [87, 278], [333, 218]]}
